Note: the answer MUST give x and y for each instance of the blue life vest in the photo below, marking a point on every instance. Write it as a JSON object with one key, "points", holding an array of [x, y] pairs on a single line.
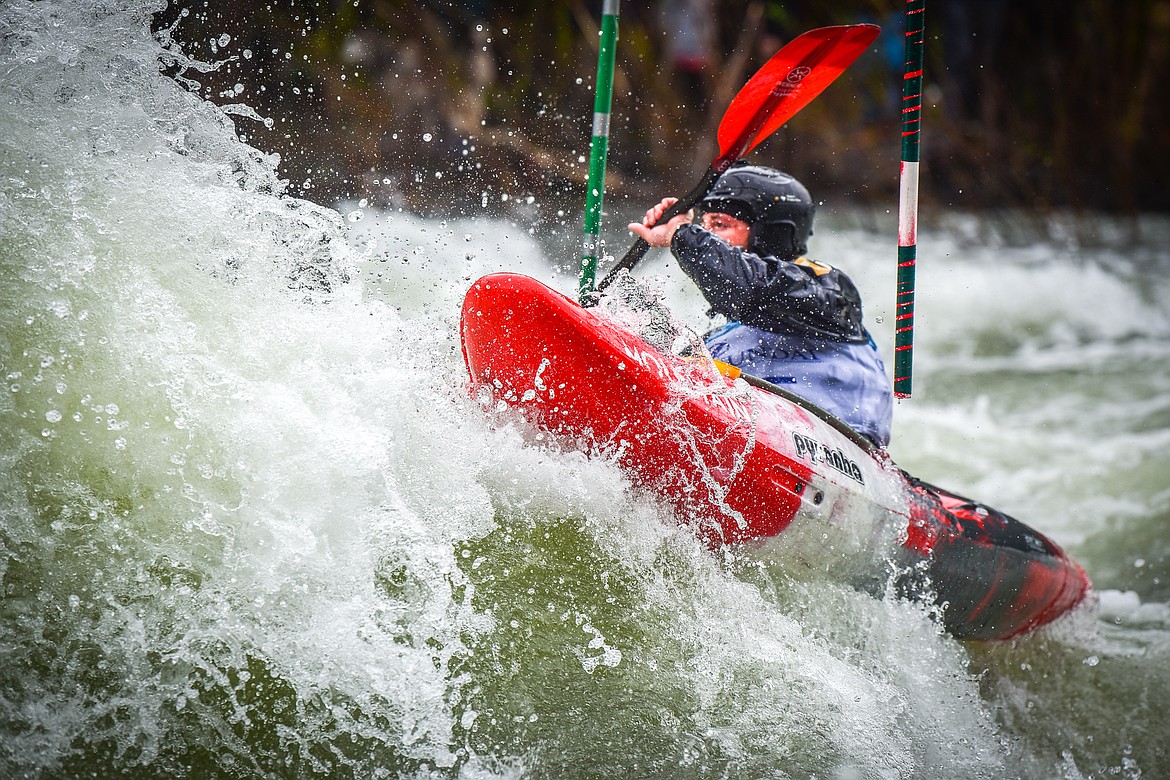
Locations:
{"points": [[794, 322], [847, 379]]}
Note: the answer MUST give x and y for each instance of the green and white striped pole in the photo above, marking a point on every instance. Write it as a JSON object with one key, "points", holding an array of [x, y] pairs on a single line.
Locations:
{"points": [[908, 198], [598, 149]]}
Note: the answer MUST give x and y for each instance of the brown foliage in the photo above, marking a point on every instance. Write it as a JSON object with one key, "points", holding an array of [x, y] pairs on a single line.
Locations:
{"points": [[447, 106]]}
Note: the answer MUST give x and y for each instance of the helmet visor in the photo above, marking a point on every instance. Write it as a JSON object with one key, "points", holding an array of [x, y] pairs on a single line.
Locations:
{"points": [[734, 208]]}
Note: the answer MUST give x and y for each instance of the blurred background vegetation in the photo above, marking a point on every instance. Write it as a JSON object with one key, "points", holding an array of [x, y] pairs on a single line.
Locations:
{"points": [[443, 107]]}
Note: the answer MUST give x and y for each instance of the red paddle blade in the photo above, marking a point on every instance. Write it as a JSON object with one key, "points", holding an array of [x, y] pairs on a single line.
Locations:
{"points": [[787, 83]]}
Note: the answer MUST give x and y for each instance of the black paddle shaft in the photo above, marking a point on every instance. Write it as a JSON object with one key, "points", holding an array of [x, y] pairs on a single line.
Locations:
{"points": [[682, 206]]}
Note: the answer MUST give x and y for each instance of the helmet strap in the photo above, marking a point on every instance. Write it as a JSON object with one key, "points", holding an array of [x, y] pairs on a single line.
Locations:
{"points": [[776, 239]]}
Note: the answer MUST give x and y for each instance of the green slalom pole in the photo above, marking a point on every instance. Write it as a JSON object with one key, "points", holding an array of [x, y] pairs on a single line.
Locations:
{"points": [[595, 189], [908, 198]]}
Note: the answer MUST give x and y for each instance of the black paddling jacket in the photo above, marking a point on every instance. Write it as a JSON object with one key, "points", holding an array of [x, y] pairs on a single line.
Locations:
{"points": [[798, 296]]}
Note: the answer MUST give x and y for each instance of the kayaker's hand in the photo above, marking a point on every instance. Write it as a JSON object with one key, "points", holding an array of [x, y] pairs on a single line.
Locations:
{"points": [[659, 235]]}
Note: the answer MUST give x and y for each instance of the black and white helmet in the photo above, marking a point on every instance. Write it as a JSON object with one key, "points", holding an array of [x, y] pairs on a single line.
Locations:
{"points": [[777, 206]]}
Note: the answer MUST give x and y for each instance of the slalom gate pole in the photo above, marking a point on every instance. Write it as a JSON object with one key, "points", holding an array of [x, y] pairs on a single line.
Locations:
{"points": [[599, 147], [908, 198]]}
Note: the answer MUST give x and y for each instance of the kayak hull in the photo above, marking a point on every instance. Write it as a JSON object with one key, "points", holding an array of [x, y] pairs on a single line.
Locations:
{"points": [[741, 463]]}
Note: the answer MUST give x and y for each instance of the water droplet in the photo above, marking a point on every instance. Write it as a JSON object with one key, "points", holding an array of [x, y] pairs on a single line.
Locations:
{"points": [[53, 416], [427, 137]]}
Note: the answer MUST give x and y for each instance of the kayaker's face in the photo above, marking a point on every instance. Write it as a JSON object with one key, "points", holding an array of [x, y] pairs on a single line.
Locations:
{"points": [[732, 230]]}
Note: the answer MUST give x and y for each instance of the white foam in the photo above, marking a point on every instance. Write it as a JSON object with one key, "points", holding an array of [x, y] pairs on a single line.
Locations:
{"points": [[1126, 608]]}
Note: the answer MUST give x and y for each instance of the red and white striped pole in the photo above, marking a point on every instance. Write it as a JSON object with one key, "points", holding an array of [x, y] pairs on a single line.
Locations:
{"points": [[908, 198]]}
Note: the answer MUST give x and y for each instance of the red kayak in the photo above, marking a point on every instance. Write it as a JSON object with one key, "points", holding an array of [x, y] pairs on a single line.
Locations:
{"points": [[741, 461]]}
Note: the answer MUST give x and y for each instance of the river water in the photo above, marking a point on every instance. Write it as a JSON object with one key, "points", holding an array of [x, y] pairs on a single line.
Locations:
{"points": [[251, 525]]}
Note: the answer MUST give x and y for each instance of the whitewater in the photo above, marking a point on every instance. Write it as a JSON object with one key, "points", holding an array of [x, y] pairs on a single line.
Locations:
{"points": [[253, 524]]}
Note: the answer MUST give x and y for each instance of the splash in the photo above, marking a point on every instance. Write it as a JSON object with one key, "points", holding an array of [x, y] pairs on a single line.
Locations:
{"points": [[251, 526]]}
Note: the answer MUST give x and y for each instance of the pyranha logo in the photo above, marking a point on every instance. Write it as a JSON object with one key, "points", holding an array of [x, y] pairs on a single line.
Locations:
{"points": [[798, 74], [834, 458], [791, 82]]}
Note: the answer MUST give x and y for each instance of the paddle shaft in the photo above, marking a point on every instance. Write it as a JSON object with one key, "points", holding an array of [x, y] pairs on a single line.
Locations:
{"points": [[682, 206]]}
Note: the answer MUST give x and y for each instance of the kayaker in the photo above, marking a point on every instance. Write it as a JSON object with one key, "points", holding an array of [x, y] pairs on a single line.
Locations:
{"points": [[793, 321]]}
